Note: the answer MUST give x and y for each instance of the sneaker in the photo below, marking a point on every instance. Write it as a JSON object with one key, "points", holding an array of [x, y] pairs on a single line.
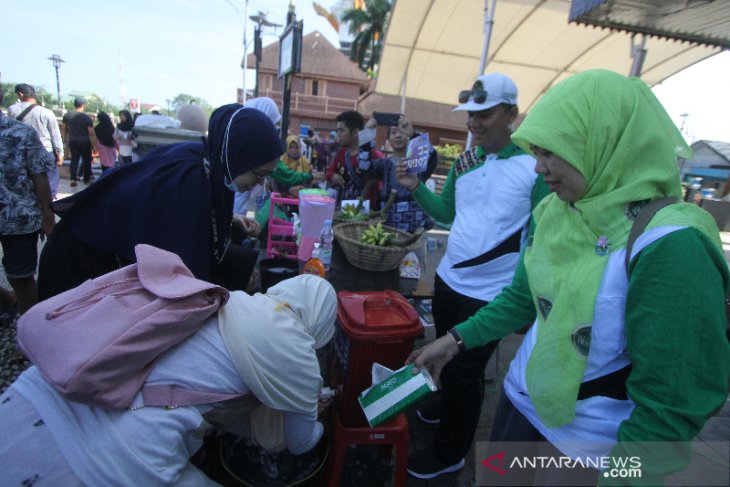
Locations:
{"points": [[424, 464], [430, 411], [73, 184]]}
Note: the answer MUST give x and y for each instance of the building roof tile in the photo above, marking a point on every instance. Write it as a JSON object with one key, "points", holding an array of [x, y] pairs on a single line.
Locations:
{"points": [[319, 58]]}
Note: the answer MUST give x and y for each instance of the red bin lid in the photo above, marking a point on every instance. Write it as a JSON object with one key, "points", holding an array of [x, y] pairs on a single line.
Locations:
{"points": [[377, 314]]}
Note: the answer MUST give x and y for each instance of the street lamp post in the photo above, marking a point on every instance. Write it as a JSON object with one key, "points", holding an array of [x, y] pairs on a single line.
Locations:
{"points": [[257, 52], [260, 20], [245, 48], [56, 60], [245, 42], [290, 50]]}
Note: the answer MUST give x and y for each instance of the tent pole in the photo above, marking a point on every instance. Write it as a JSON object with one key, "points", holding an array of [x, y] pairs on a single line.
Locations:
{"points": [[488, 23], [403, 94], [638, 52]]}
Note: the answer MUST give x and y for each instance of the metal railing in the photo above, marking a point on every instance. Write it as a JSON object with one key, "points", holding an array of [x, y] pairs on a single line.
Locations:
{"points": [[313, 106]]}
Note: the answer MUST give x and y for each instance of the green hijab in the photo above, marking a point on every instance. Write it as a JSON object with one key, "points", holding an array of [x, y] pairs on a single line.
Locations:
{"points": [[614, 131]]}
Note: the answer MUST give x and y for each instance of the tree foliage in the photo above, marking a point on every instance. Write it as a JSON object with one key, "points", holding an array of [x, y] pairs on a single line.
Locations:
{"points": [[44, 97], [94, 102], [369, 26], [8, 96], [185, 99]]}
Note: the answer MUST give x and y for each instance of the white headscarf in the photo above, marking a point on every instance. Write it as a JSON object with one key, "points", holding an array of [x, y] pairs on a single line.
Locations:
{"points": [[272, 340], [266, 105]]}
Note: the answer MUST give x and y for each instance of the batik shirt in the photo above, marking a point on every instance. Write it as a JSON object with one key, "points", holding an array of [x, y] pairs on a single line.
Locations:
{"points": [[404, 214], [21, 154], [355, 172]]}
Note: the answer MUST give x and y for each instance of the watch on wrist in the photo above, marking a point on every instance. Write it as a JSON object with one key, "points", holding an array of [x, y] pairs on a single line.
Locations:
{"points": [[459, 340]]}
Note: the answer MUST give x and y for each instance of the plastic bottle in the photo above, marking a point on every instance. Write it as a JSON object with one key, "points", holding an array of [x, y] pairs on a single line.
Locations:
{"points": [[326, 237], [296, 229], [314, 264]]}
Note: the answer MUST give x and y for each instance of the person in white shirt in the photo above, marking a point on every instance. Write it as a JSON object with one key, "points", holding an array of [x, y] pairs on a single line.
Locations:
{"points": [[125, 137], [262, 346], [45, 124], [488, 196]]}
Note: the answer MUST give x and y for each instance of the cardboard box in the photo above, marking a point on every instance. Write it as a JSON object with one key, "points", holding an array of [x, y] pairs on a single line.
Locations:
{"points": [[393, 392]]}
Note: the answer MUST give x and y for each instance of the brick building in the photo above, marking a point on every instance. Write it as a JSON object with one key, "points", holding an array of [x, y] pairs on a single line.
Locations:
{"points": [[330, 83]]}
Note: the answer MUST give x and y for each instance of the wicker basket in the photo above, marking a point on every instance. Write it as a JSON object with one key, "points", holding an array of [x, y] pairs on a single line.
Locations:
{"points": [[371, 257], [338, 220]]}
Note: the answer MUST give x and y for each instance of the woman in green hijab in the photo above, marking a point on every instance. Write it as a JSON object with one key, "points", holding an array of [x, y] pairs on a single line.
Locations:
{"points": [[617, 355]]}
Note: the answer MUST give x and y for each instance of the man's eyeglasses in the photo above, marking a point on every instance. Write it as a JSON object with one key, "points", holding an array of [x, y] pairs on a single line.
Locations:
{"points": [[478, 96]]}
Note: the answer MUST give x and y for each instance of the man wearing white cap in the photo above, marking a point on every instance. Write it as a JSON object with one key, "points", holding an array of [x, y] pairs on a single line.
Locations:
{"points": [[487, 198]]}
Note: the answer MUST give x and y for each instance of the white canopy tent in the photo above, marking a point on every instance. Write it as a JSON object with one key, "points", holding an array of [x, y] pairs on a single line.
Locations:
{"points": [[433, 48]]}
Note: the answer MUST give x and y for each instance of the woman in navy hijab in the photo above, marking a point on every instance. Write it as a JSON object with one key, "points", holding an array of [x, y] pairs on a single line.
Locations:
{"points": [[178, 198]]}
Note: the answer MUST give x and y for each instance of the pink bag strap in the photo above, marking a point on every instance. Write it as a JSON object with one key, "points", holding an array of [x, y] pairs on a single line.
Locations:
{"points": [[176, 396]]}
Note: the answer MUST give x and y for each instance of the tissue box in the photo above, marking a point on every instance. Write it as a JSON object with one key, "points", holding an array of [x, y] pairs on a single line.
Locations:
{"points": [[399, 390]]}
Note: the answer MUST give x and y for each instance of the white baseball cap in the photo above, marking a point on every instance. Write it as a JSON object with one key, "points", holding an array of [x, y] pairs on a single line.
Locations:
{"points": [[489, 90]]}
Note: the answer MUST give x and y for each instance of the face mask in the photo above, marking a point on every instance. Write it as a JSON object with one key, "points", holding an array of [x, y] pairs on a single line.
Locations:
{"points": [[230, 184], [295, 153]]}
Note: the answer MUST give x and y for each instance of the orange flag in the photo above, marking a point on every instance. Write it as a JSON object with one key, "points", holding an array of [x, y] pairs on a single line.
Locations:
{"points": [[327, 15]]}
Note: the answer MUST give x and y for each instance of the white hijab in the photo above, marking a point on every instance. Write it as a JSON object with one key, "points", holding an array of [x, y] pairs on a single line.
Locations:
{"points": [[272, 340], [266, 105]]}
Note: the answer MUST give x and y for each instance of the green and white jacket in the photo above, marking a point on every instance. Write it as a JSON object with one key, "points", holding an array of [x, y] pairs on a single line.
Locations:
{"points": [[666, 321], [487, 199]]}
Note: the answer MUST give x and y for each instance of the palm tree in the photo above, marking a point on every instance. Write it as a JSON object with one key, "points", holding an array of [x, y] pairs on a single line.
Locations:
{"points": [[368, 24]]}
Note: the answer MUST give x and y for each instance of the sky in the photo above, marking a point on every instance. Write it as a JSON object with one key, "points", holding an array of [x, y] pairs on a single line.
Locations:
{"points": [[169, 47]]}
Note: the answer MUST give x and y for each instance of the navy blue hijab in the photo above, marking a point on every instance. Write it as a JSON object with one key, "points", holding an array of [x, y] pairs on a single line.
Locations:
{"points": [[104, 130], [167, 199]]}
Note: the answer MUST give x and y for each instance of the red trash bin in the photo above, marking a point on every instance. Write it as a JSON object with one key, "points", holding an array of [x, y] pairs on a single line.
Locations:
{"points": [[373, 326]]}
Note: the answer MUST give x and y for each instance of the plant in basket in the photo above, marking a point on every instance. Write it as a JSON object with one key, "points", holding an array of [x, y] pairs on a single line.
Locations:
{"points": [[358, 243], [353, 213], [376, 235]]}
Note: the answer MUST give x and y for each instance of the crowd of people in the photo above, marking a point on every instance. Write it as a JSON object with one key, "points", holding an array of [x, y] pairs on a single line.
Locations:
{"points": [[625, 352]]}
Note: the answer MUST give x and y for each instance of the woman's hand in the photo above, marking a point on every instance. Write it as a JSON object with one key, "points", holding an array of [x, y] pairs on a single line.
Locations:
{"points": [[317, 176], [337, 181], [245, 227], [294, 191], [48, 222], [434, 356], [408, 181], [251, 227]]}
